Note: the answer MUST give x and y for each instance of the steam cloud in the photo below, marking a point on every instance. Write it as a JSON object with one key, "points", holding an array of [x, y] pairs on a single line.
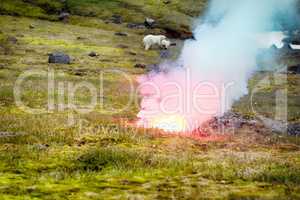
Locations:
{"points": [[216, 65]]}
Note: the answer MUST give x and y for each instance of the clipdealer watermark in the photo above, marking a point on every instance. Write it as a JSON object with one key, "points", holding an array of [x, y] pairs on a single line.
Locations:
{"points": [[61, 95]]}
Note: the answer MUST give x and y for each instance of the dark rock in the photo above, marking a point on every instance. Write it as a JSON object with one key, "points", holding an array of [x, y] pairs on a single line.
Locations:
{"points": [[293, 129], [288, 51], [64, 16], [135, 26], [59, 58], [295, 42], [149, 22], [167, 2], [80, 72], [132, 53], [291, 40], [180, 34], [142, 66], [275, 126], [116, 19], [153, 68], [20, 35], [31, 26], [165, 54], [2, 66], [231, 120], [122, 46], [286, 47], [12, 39], [295, 69], [121, 34], [80, 38], [93, 54]]}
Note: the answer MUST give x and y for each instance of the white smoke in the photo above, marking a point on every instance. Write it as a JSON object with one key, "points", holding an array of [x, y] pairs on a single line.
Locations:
{"points": [[226, 43], [224, 52]]}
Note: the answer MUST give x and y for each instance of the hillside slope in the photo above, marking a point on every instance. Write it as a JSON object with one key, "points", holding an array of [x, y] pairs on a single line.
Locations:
{"points": [[63, 154], [175, 16]]}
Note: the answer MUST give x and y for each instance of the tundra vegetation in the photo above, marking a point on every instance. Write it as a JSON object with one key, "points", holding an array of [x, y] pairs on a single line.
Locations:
{"points": [[43, 156]]}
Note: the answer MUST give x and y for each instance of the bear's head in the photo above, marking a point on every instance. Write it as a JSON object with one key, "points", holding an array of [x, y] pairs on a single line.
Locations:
{"points": [[166, 43]]}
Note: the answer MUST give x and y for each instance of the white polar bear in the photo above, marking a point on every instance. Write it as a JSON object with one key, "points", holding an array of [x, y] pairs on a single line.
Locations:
{"points": [[159, 40]]}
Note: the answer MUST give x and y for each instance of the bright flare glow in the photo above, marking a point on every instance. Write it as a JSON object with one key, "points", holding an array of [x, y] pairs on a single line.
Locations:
{"points": [[169, 123]]}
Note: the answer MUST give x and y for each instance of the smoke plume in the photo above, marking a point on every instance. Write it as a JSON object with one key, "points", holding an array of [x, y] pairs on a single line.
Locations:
{"points": [[213, 70]]}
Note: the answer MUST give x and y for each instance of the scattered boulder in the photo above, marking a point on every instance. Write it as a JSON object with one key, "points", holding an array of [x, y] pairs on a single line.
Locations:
{"points": [[12, 40], [80, 38], [135, 26], [292, 40], [132, 53], [20, 35], [153, 68], [116, 19], [231, 120], [274, 125], [293, 129], [93, 54], [149, 22], [59, 58], [121, 34], [31, 26], [286, 46], [167, 1], [122, 46], [64, 16], [295, 69], [141, 66], [180, 34], [79, 72]]}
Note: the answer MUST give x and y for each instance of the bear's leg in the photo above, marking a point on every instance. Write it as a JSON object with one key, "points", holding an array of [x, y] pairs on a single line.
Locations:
{"points": [[147, 47]]}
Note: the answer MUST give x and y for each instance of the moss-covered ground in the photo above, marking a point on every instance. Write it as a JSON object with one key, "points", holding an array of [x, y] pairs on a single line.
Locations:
{"points": [[66, 155]]}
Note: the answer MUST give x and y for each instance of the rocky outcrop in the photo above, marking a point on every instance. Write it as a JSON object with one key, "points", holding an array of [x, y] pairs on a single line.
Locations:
{"points": [[294, 69], [12, 40], [139, 65], [178, 33], [93, 54], [121, 34], [116, 19], [59, 58], [136, 26], [293, 129], [149, 22]]}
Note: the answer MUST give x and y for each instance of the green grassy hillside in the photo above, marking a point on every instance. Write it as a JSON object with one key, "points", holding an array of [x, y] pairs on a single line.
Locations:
{"points": [[175, 15], [63, 154]]}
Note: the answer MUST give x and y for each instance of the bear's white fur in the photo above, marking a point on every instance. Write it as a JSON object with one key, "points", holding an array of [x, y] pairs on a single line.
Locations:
{"points": [[166, 43], [160, 40]]}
